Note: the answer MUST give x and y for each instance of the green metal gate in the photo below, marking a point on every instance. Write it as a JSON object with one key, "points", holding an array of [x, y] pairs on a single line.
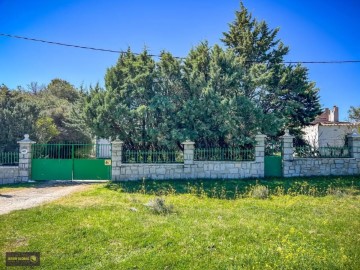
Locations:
{"points": [[71, 162], [273, 158]]}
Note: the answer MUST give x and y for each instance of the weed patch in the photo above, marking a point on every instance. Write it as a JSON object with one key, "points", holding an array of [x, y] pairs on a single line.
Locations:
{"points": [[158, 206], [233, 189], [259, 192]]}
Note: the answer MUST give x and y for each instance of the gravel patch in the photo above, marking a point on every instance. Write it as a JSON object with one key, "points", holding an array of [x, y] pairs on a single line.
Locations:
{"points": [[34, 196]]}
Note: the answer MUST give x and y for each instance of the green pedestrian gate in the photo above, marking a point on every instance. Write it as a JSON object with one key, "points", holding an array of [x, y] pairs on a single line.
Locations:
{"points": [[273, 158], [71, 162]]}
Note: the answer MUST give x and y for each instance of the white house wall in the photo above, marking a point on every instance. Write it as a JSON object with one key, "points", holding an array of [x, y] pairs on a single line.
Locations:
{"points": [[333, 135], [312, 135]]}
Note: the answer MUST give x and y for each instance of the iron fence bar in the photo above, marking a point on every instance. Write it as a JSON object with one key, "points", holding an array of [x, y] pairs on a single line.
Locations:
{"points": [[323, 152], [152, 156], [224, 154], [71, 151], [9, 158]]}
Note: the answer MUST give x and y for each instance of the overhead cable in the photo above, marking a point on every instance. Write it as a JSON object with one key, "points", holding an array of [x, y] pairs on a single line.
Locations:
{"points": [[157, 55]]}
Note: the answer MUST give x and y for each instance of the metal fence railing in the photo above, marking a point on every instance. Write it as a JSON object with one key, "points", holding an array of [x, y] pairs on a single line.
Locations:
{"points": [[152, 156], [273, 147], [51, 151], [224, 154], [71, 151], [322, 152], [9, 158], [92, 151]]}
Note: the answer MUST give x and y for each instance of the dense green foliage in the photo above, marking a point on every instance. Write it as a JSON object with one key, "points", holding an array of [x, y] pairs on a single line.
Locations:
{"points": [[215, 96], [108, 228], [279, 89], [18, 115], [48, 114], [165, 103]]}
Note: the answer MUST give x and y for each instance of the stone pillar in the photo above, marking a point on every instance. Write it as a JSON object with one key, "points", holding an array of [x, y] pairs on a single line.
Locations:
{"points": [[25, 158], [188, 152], [260, 147], [287, 153], [260, 155], [287, 146], [116, 159], [354, 144]]}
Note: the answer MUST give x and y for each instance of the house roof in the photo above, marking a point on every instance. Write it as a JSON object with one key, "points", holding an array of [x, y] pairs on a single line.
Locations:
{"points": [[328, 123], [331, 118]]}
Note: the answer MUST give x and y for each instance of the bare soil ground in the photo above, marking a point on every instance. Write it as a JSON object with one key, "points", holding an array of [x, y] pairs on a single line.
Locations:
{"points": [[33, 196]]}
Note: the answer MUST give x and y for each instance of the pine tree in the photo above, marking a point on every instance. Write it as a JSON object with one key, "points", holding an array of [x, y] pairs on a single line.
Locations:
{"points": [[129, 90], [283, 90], [216, 97], [253, 41]]}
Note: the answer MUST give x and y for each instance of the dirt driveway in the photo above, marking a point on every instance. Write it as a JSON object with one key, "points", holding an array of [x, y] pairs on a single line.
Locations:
{"points": [[34, 196]]}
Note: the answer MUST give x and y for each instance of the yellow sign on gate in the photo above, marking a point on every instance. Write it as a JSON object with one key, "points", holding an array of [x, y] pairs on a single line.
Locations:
{"points": [[107, 162]]}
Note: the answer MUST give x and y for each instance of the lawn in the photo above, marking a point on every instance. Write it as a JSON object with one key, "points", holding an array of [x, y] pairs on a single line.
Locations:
{"points": [[299, 224]]}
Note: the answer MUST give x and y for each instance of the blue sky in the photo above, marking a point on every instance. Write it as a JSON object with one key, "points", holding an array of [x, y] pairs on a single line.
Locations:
{"points": [[314, 31]]}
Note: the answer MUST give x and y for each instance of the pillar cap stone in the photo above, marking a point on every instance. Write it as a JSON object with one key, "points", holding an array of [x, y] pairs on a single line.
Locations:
{"points": [[354, 133], [26, 139], [260, 135], [188, 142], [287, 134], [117, 141]]}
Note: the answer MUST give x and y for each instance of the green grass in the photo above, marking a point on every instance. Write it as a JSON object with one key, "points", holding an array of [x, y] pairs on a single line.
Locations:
{"points": [[109, 227], [233, 189]]}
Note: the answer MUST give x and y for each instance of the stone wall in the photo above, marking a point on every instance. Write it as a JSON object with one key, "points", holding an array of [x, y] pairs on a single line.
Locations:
{"points": [[21, 173], [321, 166], [9, 175], [190, 169], [199, 169], [227, 169], [293, 166]]}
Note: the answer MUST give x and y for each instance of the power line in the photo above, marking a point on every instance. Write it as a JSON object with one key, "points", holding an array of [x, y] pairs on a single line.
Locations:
{"points": [[157, 55], [76, 46], [61, 44]]}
